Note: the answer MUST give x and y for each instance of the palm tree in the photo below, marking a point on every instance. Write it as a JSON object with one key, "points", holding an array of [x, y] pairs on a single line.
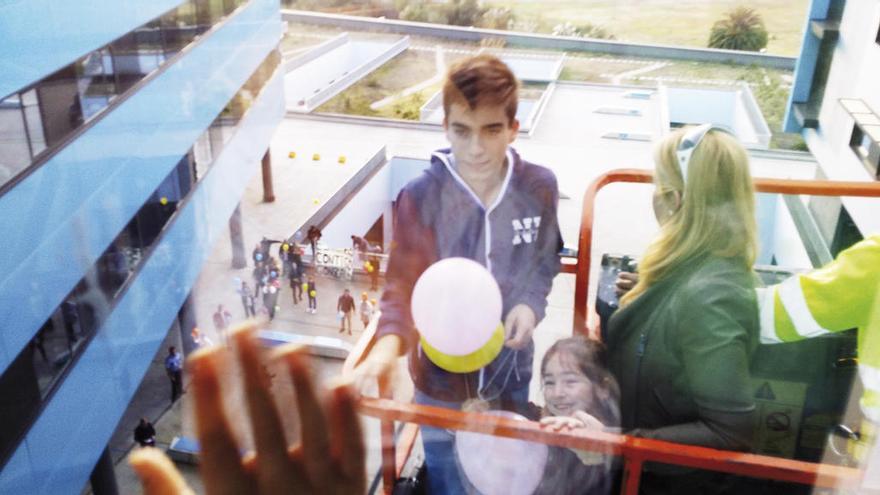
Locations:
{"points": [[740, 29]]}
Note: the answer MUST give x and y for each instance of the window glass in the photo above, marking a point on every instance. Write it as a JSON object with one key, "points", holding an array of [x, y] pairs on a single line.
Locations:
{"points": [[178, 28], [97, 85], [865, 142], [135, 55], [43, 115], [33, 121], [861, 143], [60, 106], [14, 151], [33, 375]]}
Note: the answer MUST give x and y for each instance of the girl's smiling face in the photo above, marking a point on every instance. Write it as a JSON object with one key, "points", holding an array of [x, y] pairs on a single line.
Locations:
{"points": [[566, 388]]}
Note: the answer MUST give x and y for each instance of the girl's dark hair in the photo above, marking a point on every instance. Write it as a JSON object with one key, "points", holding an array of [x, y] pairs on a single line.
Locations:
{"points": [[589, 356]]}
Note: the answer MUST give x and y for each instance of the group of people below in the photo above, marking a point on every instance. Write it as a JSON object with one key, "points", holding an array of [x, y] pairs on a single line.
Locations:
{"points": [[268, 275], [675, 365], [345, 307]]}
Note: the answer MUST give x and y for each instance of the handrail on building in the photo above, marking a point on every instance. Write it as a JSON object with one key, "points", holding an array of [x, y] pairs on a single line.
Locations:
{"points": [[635, 451]]}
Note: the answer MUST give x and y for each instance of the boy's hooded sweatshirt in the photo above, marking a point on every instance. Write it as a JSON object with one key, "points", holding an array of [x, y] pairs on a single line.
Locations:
{"points": [[517, 238]]}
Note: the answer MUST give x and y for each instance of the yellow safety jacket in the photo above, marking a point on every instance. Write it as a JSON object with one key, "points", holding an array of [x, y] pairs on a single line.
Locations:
{"points": [[843, 294]]}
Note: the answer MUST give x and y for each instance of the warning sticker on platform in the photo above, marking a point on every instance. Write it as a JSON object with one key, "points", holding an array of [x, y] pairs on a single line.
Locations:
{"points": [[780, 405]]}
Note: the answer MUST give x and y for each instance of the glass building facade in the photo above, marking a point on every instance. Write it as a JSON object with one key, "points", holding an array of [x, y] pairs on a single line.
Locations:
{"points": [[106, 158]]}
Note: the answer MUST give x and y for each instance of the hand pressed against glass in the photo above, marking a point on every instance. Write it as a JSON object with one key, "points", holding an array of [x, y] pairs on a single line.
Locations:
{"points": [[329, 459]]}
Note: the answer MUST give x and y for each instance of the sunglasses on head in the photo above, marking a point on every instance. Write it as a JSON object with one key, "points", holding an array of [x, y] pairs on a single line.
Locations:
{"points": [[689, 143]]}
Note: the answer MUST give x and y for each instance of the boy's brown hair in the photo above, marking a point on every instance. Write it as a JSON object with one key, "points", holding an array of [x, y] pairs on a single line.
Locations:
{"points": [[481, 80]]}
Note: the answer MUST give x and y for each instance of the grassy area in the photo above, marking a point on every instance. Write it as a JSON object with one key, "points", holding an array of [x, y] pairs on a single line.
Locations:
{"points": [[592, 69], [409, 68], [772, 97], [673, 22], [413, 66], [295, 42], [407, 108], [707, 70]]}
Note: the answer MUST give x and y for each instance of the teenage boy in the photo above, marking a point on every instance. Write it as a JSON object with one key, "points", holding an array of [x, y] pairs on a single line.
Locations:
{"points": [[477, 200]]}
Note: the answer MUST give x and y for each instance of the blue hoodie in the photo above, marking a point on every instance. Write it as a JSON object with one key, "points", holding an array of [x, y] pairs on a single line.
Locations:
{"points": [[517, 238]]}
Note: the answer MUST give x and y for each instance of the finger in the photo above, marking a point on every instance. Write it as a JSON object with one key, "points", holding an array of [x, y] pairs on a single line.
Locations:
{"points": [[347, 441], [364, 379], [367, 378], [273, 470], [520, 338], [588, 420], [158, 474], [510, 324], [511, 328], [313, 425], [549, 422], [220, 463]]}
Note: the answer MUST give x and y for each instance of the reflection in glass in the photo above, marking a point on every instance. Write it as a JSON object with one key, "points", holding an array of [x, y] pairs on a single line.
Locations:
{"points": [[60, 107], [33, 121], [14, 151], [136, 54], [43, 115], [33, 375], [179, 28], [97, 85]]}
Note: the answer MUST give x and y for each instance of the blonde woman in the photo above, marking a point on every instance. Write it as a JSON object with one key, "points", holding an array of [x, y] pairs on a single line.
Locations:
{"points": [[680, 344]]}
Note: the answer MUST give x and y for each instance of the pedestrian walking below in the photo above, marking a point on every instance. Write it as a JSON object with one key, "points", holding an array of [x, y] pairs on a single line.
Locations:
{"points": [[222, 318], [145, 434], [257, 254], [313, 236], [247, 299], [311, 290], [296, 281], [270, 296], [365, 310], [374, 265], [345, 307], [174, 370]]}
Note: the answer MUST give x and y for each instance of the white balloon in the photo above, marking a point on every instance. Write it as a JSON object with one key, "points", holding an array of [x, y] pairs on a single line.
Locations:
{"points": [[499, 465], [456, 305]]}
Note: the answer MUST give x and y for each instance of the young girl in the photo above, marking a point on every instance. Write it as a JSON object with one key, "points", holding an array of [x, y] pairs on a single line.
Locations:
{"points": [[579, 392], [366, 310]]}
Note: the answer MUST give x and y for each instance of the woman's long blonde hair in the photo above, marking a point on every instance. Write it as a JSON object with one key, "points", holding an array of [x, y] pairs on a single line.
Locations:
{"points": [[717, 213]]}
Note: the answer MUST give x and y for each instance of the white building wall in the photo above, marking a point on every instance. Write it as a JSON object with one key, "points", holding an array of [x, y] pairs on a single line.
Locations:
{"points": [[854, 73], [698, 106], [361, 211], [789, 251], [742, 123]]}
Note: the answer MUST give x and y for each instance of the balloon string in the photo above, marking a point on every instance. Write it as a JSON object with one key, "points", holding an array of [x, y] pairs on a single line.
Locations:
{"points": [[501, 368]]}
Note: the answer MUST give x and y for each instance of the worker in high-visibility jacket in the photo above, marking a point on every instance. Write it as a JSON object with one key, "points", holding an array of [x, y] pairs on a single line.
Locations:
{"points": [[843, 294]]}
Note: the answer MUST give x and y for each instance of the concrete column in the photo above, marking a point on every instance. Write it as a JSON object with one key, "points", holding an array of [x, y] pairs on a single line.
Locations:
{"points": [[186, 320], [236, 235], [103, 479], [268, 190], [387, 227]]}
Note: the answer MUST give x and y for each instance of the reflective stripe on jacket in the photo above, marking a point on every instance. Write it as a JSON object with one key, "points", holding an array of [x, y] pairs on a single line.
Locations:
{"points": [[842, 295]]}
